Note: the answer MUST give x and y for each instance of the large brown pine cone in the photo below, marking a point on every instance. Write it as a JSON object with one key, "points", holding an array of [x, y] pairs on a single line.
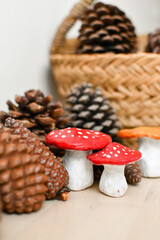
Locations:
{"points": [[38, 113], [105, 28], [22, 178], [57, 176], [153, 44]]}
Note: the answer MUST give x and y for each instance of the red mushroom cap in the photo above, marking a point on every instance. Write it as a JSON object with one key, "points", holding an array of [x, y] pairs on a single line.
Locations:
{"points": [[78, 139], [114, 154]]}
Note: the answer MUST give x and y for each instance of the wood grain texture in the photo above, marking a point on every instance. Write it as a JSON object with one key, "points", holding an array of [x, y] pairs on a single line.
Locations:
{"points": [[91, 215]]}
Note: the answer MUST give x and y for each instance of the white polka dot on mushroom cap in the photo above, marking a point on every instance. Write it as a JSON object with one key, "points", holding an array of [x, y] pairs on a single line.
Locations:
{"points": [[96, 132], [72, 135], [88, 133], [104, 155], [111, 152], [56, 135], [126, 153], [117, 146], [116, 155], [69, 131], [79, 132], [51, 133], [63, 136], [85, 136], [114, 148], [123, 150], [118, 151], [108, 156]]}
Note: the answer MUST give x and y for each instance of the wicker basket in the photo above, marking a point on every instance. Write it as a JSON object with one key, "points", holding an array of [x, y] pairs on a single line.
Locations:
{"points": [[130, 81]]}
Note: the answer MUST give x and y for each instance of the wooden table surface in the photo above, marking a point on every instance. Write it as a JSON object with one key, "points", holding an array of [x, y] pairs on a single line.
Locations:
{"points": [[90, 215]]}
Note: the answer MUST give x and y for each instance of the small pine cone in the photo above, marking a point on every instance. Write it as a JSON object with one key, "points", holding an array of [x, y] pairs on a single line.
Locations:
{"points": [[38, 113], [133, 173], [89, 109], [98, 169], [22, 178], [153, 44], [105, 28], [54, 169]]}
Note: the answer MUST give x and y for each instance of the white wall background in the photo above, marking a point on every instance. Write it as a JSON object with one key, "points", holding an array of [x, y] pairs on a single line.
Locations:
{"points": [[27, 28]]}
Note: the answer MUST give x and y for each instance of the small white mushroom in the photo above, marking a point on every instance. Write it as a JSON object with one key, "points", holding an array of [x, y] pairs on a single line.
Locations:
{"points": [[79, 168], [149, 146], [78, 144], [114, 157], [113, 182], [150, 161]]}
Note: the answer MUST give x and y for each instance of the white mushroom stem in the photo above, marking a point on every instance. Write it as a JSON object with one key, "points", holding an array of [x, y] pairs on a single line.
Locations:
{"points": [[79, 168], [150, 160], [113, 182]]}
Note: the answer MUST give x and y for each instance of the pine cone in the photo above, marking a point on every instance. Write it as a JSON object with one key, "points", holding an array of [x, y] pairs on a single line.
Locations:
{"points": [[38, 113], [133, 173], [22, 179], [89, 109], [153, 44], [54, 169], [105, 28]]}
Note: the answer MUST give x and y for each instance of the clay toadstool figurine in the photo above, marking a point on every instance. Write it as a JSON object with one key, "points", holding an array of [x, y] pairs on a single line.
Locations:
{"points": [[149, 145], [78, 143], [114, 157]]}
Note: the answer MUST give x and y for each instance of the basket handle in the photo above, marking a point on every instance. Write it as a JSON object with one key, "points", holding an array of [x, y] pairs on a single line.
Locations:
{"points": [[69, 21]]}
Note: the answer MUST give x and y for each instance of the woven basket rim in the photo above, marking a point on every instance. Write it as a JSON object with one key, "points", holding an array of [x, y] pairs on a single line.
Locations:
{"points": [[104, 55]]}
